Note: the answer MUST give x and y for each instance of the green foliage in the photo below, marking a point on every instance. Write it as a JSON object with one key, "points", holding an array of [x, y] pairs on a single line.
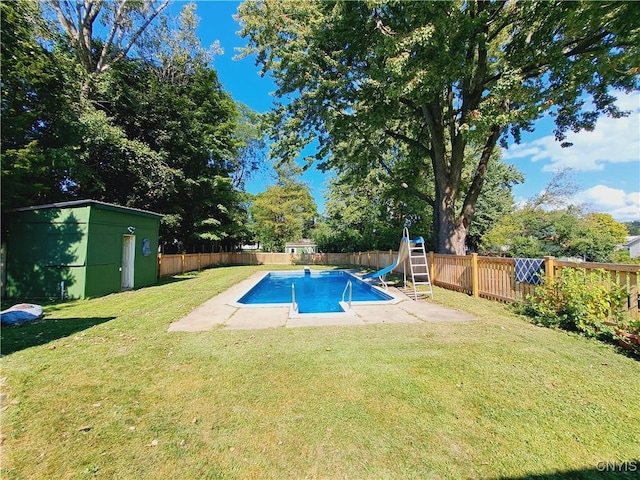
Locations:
{"points": [[566, 232], [429, 82], [39, 123], [496, 200], [158, 111], [367, 212], [633, 227], [81, 119], [549, 224], [284, 212], [368, 208], [533, 232], [598, 236], [579, 301], [628, 333], [623, 256]]}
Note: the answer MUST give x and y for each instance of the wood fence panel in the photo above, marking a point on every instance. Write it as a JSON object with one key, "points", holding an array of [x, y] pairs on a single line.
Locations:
{"points": [[169, 265], [633, 301], [191, 262], [453, 272], [496, 278]]}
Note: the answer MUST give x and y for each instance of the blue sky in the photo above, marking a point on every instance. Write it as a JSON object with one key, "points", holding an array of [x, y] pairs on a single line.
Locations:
{"points": [[605, 162]]}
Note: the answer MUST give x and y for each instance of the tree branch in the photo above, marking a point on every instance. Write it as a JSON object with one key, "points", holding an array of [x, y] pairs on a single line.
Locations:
{"points": [[108, 44], [422, 196], [468, 208], [123, 53], [408, 140], [585, 45], [411, 105]]}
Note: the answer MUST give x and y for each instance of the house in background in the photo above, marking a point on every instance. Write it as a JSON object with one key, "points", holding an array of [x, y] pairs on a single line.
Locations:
{"points": [[80, 249], [633, 245], [302, 246]]}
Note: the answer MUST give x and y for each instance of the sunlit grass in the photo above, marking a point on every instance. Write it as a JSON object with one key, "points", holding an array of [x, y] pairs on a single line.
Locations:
{"points": [[493, 398]]}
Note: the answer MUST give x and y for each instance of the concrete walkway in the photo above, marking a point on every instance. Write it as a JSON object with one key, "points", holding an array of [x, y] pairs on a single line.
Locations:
{"points": [[222, 311]]}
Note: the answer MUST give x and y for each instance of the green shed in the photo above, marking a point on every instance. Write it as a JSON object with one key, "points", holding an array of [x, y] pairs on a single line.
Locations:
{"points": [[80, 249]]}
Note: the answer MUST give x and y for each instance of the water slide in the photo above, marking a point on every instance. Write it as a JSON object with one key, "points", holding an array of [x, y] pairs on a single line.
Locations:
{"points": [[403, 254]]}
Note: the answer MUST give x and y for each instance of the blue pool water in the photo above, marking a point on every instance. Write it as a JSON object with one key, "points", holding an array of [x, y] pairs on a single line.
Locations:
{"points": [[316, 292]]}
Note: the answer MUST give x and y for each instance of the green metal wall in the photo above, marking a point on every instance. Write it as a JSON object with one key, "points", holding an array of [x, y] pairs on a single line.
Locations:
{"points": [[44, 248], [104, 255], [80, 246]]}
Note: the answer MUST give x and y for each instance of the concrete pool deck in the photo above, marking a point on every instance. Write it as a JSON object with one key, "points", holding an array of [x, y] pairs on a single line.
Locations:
{"points": [[222, 311]]}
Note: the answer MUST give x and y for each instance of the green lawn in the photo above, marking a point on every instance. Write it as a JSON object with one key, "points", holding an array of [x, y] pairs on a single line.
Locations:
{"points": [[100, 389]]}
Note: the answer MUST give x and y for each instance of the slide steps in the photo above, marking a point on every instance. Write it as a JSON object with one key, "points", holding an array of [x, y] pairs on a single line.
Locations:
{"points": [[411, 252], [419, 269]]}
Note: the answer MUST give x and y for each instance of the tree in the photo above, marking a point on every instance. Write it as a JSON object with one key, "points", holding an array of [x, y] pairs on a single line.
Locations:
{"points": [[284, 212], [495, 201], [368, 213], [598, 238], [428, 79], [550, 225], [534, 232], [367, 209], [39, 123], [124, 21], [250, 137], [194, 125], [633, 227], [156, 131]]}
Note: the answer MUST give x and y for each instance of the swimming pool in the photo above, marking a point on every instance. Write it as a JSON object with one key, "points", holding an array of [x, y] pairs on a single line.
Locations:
{"points": [[314, 291]]}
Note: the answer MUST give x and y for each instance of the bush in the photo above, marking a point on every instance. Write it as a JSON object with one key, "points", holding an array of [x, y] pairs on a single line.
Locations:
{"points": [[628, 334], [576, 300]]}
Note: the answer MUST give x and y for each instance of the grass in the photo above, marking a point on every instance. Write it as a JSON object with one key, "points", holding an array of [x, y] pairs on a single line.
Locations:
{"points": [[100, 389]]}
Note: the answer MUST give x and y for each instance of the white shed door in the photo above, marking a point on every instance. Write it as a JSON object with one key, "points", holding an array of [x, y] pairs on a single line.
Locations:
{"points": [[128, 257]]}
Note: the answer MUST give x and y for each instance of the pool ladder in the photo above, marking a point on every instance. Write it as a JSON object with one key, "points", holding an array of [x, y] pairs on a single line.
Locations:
{"points": [[294, 304], [348, 286]]}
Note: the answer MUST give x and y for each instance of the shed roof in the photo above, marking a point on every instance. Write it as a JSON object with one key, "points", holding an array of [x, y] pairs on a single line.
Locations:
{"points": [[632, 239], [305, 242], [85, 203]]}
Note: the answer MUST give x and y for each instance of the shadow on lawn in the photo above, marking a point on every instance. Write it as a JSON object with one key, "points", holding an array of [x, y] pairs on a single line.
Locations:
{"points": [[44, 331], [607, 470]]}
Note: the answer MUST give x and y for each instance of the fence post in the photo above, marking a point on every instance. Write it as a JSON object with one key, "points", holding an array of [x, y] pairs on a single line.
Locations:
{"points": [[182, 264], [432, 268], [633, 295], [474, 274], [549, 269], [159, 265]]}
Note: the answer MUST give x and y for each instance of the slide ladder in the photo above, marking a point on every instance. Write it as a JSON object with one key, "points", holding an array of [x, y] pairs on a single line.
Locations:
{"points": [[418, 266]]}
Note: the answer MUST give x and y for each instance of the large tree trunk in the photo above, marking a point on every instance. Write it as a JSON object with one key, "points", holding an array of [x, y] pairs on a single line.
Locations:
{"points": [[452, 238], [449, 226], [450, 222], [451, 230]]}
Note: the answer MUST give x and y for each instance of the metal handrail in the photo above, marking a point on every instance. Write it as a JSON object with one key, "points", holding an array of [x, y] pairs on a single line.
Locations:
{"points": [[294, 304], [349, 286]]}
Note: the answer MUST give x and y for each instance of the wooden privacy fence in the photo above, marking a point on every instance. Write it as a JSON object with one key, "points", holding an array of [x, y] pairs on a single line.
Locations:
{"points": [[178, 264], [488, 277], [495, 278]]}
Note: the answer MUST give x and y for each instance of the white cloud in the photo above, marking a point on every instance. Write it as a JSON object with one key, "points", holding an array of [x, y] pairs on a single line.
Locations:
{"points": [[614, 140], [622, 206]]}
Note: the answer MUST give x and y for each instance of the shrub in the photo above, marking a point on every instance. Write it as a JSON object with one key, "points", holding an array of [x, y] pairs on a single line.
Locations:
{"points": [[579, 301], [628, 334]]}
